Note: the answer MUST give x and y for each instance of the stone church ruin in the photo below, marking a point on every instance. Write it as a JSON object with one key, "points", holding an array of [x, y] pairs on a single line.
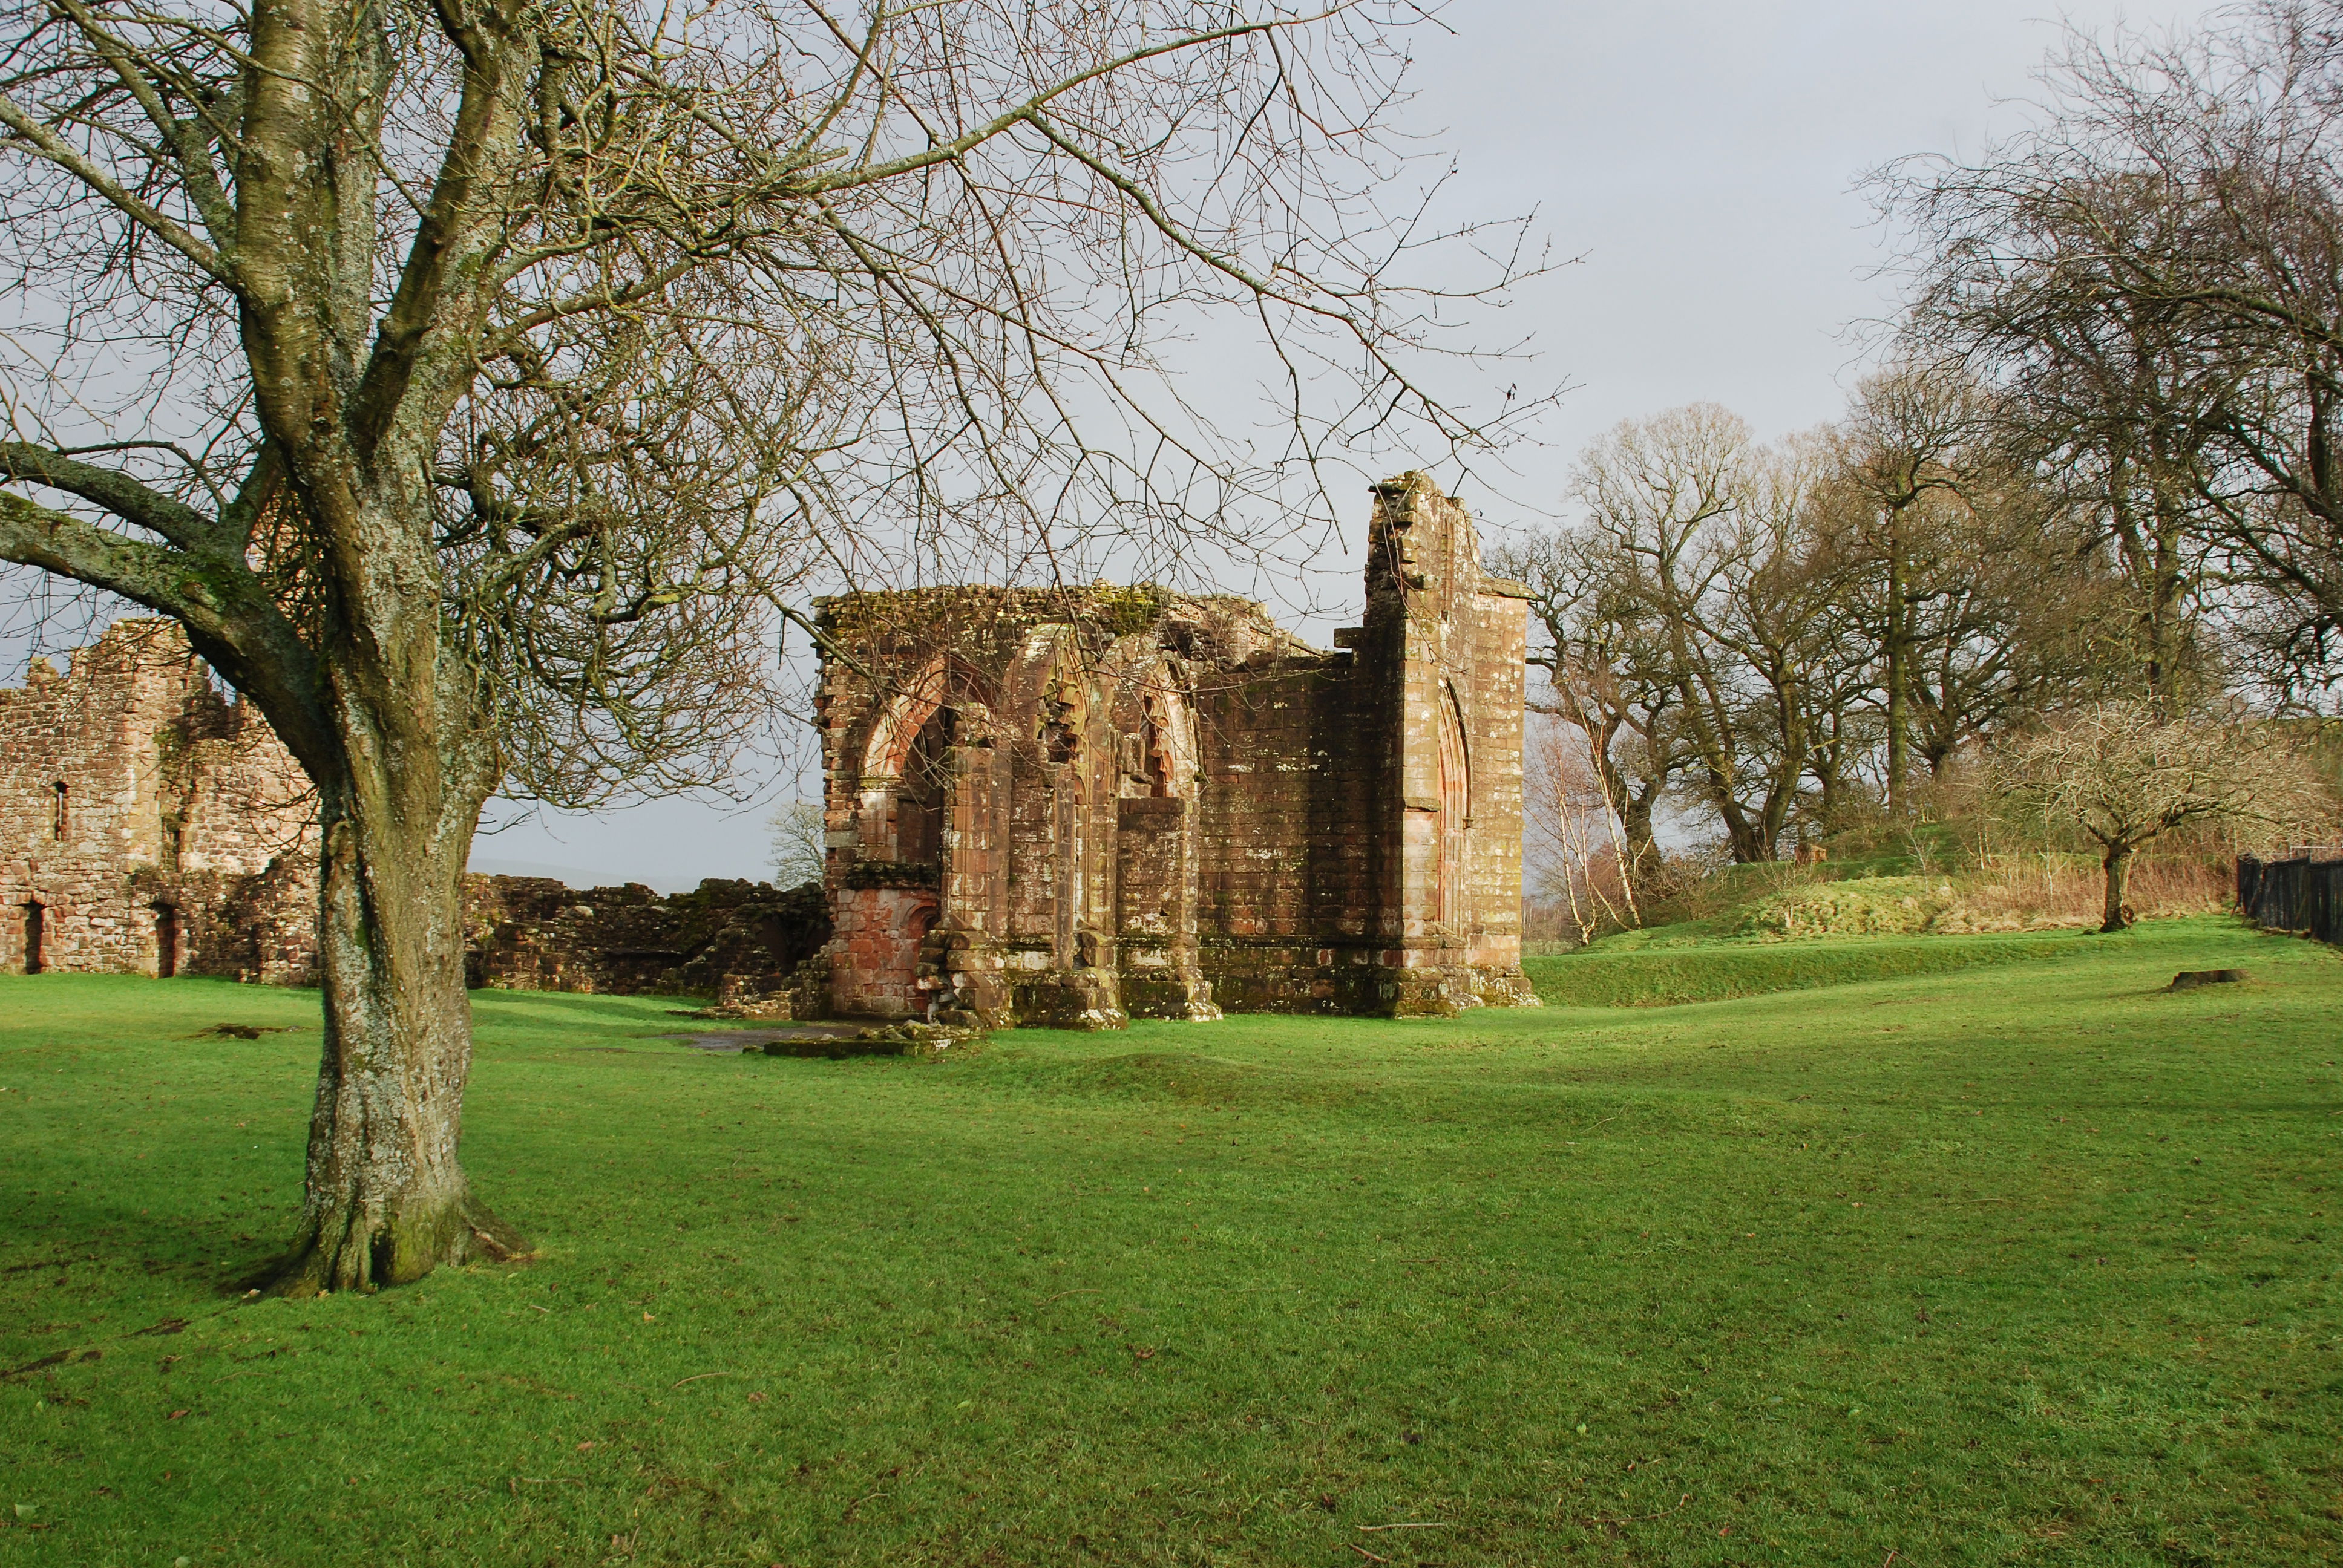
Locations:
{"points": [[1076, 808], [149, 824], [1047, 808]]}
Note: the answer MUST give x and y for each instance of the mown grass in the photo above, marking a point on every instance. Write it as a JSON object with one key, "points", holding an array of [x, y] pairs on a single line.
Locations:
{"points": [[2027, 1263], [1693, 965]]}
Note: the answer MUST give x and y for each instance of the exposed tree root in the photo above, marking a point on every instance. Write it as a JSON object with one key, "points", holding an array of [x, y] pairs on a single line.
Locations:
{"points": [[352, 1249]]}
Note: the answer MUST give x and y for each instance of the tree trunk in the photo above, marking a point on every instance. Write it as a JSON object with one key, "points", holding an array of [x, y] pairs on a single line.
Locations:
{"points": [[1900, 720], [388, 1201], [2117, 863], [1643, 844], [1745, 836]]}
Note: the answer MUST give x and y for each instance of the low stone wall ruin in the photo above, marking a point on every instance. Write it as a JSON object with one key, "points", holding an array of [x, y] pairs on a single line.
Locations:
{"points": [[533, 933]]}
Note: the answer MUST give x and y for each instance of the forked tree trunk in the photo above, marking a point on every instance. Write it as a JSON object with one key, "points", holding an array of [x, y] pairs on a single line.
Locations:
{"points": [[387, 1200], [2117, 863]]}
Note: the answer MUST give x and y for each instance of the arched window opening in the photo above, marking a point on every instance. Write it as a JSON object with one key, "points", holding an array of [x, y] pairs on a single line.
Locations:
{"points": [[36, 921], [1455, 809], [922, 791], [166, 942], [57, 823]]}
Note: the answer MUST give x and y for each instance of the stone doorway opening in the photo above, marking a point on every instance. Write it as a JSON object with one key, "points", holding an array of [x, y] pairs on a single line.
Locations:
{"points": [[35, 934], [166, 942]]}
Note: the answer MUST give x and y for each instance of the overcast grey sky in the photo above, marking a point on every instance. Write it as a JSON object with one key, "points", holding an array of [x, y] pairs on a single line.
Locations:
{"points": [[1701, 156]]}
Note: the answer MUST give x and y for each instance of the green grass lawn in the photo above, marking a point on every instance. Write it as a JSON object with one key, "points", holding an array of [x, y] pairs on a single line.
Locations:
{"points": [[1622, 971], [2017, 1263]]}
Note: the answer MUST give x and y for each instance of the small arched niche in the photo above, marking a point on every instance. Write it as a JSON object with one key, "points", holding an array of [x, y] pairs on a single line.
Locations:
{"points": [[1157, 729]]}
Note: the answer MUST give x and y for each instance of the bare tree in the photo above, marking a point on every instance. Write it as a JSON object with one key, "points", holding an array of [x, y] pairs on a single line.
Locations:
{"points": [[1773, 630], [800, 847], [1977, 601], [1698, 539], [1908, 456], [464, 376], [2151, 273], [1573, 846], [2125, 775], [1608, 673]]}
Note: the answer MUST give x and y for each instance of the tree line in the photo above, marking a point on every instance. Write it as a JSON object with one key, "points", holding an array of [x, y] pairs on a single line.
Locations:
{"points": [[2094, 487]]}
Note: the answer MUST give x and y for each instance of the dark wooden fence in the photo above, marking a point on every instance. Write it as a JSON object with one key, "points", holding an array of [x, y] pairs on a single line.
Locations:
{"points": [[2303, 892]]}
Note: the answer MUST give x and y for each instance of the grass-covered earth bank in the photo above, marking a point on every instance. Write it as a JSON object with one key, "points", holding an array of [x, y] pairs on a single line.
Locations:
{"points": [[2023, 1260]]}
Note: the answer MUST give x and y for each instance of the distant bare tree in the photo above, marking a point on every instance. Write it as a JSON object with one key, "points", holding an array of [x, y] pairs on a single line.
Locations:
{"points": [[1772, 632], [1608, 674], [1701, 540], [801, 851], [1963, 577], [1906, 451], [1574, 847], [2125, 775], [477, 382]]}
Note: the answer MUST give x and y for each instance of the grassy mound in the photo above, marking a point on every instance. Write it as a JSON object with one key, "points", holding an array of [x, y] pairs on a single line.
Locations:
{"points": [[1947, 1269], [1685, 968]]}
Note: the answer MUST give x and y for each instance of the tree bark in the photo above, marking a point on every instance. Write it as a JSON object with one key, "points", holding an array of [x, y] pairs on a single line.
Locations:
{"points": [[1636, 821], [2117, 864], [388, 1201]]}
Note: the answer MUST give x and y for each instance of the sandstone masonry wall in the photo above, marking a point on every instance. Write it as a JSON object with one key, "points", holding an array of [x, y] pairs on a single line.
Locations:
{"points": [[148, 823], [1073, 807], [534, 934]]}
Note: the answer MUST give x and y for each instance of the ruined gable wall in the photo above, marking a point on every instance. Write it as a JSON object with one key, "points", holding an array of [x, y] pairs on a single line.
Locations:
{"points": [[1460, 682], [1417, 547], [1349, 869], [173, 796]]}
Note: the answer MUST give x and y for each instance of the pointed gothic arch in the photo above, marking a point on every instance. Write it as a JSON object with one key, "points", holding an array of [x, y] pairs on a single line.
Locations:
{"points": [[1455, 809]]}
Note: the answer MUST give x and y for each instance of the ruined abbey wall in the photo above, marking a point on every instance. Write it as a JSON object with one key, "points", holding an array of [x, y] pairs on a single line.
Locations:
{"points": [[1073, 808], [149, 823], [1041, 806], [534, 934]]}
